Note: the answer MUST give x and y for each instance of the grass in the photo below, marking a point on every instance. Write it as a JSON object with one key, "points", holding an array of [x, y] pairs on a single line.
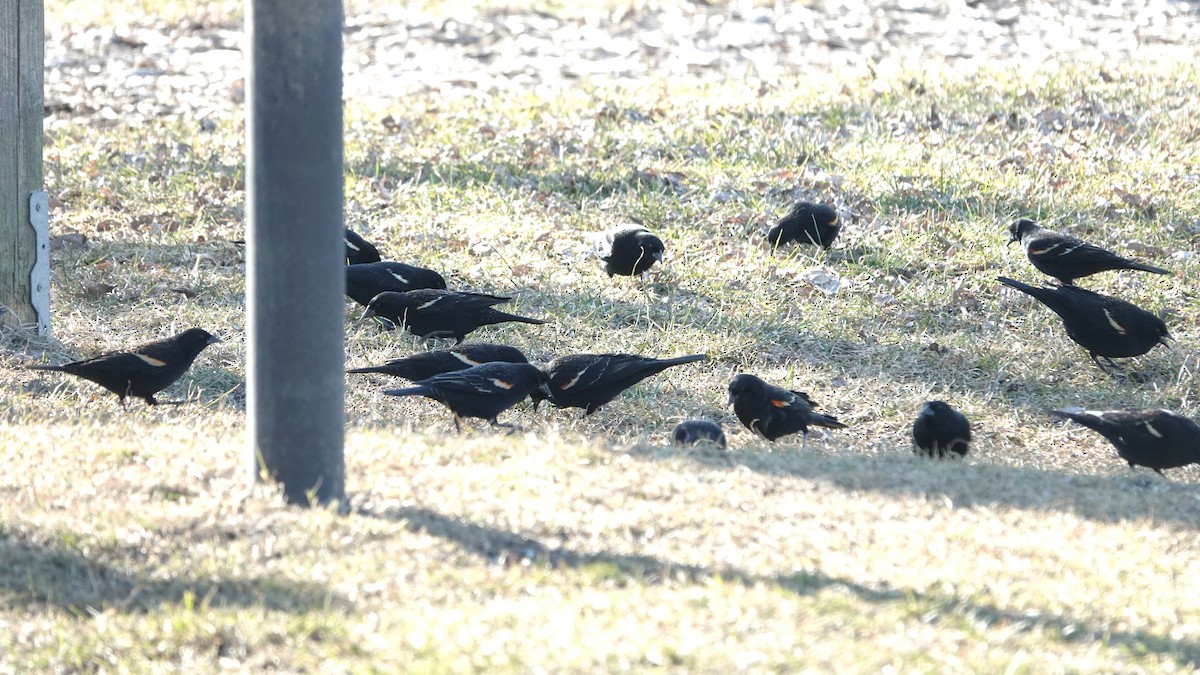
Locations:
{"points": [[131, 540]]}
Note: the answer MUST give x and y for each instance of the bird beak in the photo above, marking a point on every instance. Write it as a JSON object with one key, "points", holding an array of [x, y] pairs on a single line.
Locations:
{"points": [[367, 313], [213, 339], [1164, 341], [729, 399]]}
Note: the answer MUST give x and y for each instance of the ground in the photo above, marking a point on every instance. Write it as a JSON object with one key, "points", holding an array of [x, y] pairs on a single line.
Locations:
{"points": [[489, 141]]}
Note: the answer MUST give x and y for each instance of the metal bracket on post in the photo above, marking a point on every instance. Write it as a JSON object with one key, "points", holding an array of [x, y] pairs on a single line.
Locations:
{"points": [[39, 276]]}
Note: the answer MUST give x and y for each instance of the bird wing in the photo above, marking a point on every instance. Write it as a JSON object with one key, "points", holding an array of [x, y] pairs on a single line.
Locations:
{"points": [[1066, 248], [143, 362]]}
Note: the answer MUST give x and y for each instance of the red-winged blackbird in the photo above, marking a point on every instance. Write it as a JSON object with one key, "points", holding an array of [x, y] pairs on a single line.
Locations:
{"points": [[589, 381], [482, 391], [143, 371], [772, 412], [1066, 258], [359, 250], [941, 431], [691, 432], [1105, 326], [1157, 439], [433, 313], [423, 365], [806, 223], [629, 250], [367, 280]]}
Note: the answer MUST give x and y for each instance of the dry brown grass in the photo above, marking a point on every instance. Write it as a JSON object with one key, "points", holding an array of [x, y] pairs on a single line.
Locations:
{"points": [[129, 540]]}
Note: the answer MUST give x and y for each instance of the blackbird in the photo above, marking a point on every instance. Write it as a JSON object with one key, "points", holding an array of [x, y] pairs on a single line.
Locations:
{"points": [[435, 313], [482, 391], [142, 371], [589, 381], [367, 280], [423, 365], [941, 431], [806, 223], [1105, 326], [1157, 439], [359, 250], [772, 412], [691, 432], [1066, 258], [629, 250]]}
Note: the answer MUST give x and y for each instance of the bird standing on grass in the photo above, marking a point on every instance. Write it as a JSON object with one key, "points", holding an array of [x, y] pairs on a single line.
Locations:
{"points": [[589, 381], [482, 391], [1066, 258], [1157, 439], [367, 280], [629, 250], [692, 432], [941, 431], [806, 223], [1103, 325], [143, 371], [423, 365], [434, 313], [359, 250], [772, 412]]}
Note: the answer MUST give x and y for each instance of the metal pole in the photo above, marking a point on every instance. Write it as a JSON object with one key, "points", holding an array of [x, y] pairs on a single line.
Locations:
{"points": [[296, 278]]}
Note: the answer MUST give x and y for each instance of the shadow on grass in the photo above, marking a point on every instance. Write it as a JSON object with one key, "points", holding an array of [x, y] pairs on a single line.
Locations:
{"points": [[34, 575], [501, 547], [1143, 495]]}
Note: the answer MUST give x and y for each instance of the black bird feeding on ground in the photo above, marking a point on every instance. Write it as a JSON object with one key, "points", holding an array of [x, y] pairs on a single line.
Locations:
{"points": [[142, 371], [423, 365], [941, 431], [1157, 439], [482, 391], [1066, 258], [367, 280], [589, 381], [692, 432], [773, 412], [1105, 326], [629, 250], [806, 223], [359, 250], [433, 313]]}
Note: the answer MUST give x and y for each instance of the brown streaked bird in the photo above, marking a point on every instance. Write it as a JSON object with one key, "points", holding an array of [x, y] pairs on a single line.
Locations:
{"points": [[773, 412], [142, 371], [692, 432], [1066, 258], [1156, 439], [1106, 327]]}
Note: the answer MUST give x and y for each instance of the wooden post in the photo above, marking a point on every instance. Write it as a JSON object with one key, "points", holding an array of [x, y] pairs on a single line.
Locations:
{"points": [[295, 246], [24, 235]]}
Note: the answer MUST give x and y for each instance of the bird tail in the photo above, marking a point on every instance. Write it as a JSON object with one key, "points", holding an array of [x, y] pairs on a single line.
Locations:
{"points": [[505, 316], [1086, 418], [827, 421], [1023, 287], [62, 369], [407, 391], [1148, 268], [680, 360]]}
